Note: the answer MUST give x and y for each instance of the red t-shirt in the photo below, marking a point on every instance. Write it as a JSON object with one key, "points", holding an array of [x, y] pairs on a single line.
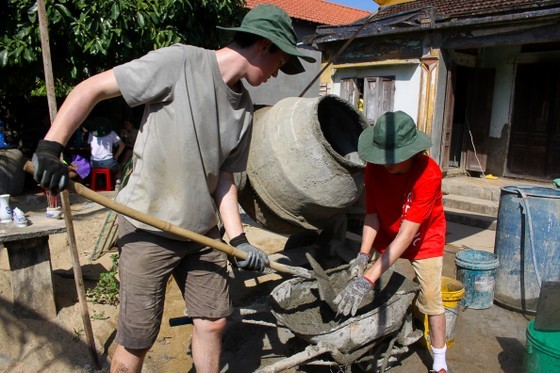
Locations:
{"points": [[415, 196]]}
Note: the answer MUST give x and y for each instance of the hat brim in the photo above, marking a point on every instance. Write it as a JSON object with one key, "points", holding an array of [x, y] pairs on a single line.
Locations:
{"points": [[371, 153], [293, 66]]}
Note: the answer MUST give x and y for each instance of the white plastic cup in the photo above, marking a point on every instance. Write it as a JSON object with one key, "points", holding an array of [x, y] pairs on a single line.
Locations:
{"points": [[54, 212], [5, 210]]}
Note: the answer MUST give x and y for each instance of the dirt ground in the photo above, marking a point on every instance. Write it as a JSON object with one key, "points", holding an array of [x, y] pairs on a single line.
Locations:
{"points": [[490, 340]]}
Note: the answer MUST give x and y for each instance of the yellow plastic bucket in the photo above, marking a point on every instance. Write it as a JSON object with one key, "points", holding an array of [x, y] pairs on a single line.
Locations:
{"points": [[452, 292]]}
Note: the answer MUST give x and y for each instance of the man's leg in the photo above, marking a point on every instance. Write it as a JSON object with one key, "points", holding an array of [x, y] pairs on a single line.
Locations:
{"points": [[207, 344], [429, 302], [127, 361], [437, 336], [202, 277], [437, 330], [145, 263]]}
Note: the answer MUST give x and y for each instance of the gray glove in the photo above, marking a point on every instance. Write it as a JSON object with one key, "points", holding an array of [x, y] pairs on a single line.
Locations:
{"points": [[351, 297], [256, 258], [358, 265]]}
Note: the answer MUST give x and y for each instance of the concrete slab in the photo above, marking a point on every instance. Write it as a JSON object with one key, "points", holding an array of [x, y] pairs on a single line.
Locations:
{"points": [[460, 235]]}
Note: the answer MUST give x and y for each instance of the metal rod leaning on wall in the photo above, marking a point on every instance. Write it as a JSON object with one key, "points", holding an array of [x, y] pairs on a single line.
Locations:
{"points": [[338, 53]]}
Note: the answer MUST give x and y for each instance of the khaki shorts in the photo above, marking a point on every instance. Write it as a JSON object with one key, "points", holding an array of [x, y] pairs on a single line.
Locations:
{"points": [[428, 275], [146, 262]]}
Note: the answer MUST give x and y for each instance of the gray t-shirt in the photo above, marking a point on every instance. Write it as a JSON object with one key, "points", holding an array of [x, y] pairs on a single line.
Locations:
{"points": [[193, 127]]}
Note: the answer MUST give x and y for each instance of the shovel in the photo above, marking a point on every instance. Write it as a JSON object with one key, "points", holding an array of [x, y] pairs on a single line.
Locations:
{"points": [[165, 226], [326, 291]]}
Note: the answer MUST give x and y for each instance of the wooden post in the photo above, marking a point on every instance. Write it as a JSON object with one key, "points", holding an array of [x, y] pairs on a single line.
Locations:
{"points": [[47, 65], [51, 98]]}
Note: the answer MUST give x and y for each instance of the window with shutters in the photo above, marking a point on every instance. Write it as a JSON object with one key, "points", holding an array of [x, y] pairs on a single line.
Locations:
{"points": [[379, 95], [351, 90], [373, 95]]}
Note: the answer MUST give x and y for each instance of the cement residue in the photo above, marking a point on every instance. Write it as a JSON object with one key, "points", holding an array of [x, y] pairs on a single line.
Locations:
{"points": [[302, 311]]}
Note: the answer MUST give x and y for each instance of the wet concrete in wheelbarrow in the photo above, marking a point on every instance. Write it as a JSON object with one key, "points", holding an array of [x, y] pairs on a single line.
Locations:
{"points": [[304, 312], [309, 332], [489, 340]]}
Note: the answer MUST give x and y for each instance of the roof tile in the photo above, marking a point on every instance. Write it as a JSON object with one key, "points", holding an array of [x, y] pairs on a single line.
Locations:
{"points": [[316, 11], [453, 9]]}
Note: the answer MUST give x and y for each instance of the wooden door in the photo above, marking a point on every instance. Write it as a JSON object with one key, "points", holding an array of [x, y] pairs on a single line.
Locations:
{"points": [[448, 120], [534, 146], [479, 113]]}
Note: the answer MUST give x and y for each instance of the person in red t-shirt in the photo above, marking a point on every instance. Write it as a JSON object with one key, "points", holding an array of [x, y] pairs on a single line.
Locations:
{"points": [[404, 219]]}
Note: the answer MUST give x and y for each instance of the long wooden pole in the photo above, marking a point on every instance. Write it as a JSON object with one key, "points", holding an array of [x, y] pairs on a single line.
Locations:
{"points": [[51, 99], [47, 65], [78, 278], [165, 226]]}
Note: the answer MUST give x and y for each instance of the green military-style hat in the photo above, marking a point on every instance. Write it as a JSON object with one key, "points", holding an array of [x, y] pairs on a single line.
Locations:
{"points": [[272, 23], [393, 139]]}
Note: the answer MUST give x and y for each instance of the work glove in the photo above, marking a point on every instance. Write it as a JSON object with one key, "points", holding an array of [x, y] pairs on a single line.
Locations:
{"points": [[358, 265], [50, 172], [256, 258], [349, 299]]}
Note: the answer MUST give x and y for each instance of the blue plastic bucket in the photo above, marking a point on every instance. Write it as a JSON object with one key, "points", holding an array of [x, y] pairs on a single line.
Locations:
{"points": [[527, 245], [476, 269], [542, 351]]}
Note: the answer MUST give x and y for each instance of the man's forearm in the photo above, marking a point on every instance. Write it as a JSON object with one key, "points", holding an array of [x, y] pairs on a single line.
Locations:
{"points": [[226, 200], [79, 104]]}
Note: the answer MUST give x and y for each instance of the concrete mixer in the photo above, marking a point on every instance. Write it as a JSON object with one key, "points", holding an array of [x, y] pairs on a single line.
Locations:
{"points": [[304, 172]]}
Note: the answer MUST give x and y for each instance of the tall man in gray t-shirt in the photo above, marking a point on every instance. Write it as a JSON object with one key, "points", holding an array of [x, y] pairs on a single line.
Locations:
{"points": [[194, 135]]}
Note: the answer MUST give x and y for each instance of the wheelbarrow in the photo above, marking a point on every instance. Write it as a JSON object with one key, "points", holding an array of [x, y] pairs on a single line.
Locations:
{"points": [[381, 330]]}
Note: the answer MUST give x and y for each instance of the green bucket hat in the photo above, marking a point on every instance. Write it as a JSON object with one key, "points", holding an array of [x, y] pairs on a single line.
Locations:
{"points": [[393, 139], [272, 23]]}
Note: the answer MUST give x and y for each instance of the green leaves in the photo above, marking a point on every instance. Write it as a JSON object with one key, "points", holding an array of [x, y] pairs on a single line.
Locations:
{"points": [[107, 289], [87, 37]]}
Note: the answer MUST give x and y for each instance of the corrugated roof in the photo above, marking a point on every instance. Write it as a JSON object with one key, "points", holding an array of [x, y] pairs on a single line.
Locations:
{"points": [[449, 9], [438, 14], [316, 11]]}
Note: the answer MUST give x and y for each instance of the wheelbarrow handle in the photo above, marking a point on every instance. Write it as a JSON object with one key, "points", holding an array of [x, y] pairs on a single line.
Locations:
{"points": [[165, 226]]}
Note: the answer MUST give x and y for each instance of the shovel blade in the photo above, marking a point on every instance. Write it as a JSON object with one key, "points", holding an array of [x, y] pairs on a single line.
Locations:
{"points": [[326, 291]]}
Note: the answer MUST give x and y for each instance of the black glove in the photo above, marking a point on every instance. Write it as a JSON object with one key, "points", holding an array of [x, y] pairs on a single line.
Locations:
{"points": [[256, 258], [50, 172]]}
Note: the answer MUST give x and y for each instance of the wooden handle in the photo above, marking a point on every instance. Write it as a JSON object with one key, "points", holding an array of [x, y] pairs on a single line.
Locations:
{"points": [[165, 226]]}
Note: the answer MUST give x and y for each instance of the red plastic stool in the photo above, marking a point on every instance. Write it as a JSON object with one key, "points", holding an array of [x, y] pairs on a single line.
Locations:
{"points": [[106, 172]]}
